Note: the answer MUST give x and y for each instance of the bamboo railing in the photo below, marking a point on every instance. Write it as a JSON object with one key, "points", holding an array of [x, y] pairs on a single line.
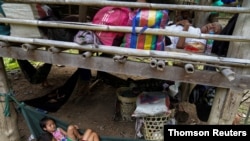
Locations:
{"points": [[132, 52], [89, 26], [56, 48], [102, 3]]}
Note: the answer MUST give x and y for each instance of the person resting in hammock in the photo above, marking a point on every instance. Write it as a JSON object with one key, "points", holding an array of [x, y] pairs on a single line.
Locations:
{"points": [[72, 134]]}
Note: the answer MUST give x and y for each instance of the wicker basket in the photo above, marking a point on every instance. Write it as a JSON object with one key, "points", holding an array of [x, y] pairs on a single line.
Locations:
{"points": [[127, 104], [153, 127]]}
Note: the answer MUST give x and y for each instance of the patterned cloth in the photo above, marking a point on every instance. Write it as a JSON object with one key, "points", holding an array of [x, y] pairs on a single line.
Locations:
{"points": [[58, 135]]}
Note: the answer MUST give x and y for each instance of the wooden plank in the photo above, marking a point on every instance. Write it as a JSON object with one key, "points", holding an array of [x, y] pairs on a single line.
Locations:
{"points": [[218, 104], [225, 106], [230, 107], [129, 68]]}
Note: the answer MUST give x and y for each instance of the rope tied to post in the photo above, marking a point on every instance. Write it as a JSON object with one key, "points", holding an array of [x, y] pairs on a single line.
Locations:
{"points": [[8, 97]]}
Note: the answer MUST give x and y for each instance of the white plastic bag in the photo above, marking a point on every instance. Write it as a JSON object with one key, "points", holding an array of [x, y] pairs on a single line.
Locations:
{"points": [[150, 104]]}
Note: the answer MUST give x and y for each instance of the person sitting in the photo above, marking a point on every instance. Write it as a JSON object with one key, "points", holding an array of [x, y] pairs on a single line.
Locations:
{"points": [[39, 74], [72, 134], [185, 25], [184, 15]]}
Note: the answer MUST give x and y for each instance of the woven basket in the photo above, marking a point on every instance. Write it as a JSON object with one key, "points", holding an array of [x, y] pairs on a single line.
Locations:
{"points": [[153, 127], [127, 104]]}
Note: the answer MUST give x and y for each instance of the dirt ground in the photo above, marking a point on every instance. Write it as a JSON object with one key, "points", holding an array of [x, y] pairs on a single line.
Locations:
{"points": [[95, 110]]}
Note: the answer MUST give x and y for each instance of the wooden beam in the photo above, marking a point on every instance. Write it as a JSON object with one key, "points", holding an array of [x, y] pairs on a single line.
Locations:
{"points": [[230, 107], [227, 101], [130, 68], [225, 106], [82, 13], [218, 103]]}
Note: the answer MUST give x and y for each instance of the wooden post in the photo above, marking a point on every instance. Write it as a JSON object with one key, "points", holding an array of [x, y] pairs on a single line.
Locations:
{"points": [[81, 85], [228, 101], [201, 17], [82, 13], [225, 106], [8, 125], [241, 49]]}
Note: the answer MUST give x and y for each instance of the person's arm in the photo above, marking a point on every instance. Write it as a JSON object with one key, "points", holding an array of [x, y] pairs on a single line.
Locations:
{"points": [[181, 42]]}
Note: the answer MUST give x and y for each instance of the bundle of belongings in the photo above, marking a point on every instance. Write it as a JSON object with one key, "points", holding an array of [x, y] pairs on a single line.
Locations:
{"points": [[151, 103], [152, 113]]}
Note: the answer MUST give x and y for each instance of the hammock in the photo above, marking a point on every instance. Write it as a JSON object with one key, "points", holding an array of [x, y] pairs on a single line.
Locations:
{"points": [[66, 90], [32, 118], [61, 94]]}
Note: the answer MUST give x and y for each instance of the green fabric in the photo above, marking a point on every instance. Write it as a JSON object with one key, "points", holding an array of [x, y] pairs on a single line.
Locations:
{"points": [[68, 139], [8, 97], [217, 3], [33, 116]]}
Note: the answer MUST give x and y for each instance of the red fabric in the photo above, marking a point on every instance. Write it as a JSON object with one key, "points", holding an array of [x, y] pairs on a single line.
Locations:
{"points": [[114, 16]]}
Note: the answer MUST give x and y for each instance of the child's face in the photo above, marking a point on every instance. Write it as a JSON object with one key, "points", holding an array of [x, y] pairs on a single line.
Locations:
{"points": [[50, 126]]}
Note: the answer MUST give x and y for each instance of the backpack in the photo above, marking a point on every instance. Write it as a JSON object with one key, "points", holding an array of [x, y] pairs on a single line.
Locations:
{"points": [[146, 18], [114, 16]]}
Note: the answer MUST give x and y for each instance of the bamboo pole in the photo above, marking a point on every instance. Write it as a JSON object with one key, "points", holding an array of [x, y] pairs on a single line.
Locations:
{"points": [[126, 29], [139, 5], [55, 49], [28, 47], [133, 52], [87, 54]]}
